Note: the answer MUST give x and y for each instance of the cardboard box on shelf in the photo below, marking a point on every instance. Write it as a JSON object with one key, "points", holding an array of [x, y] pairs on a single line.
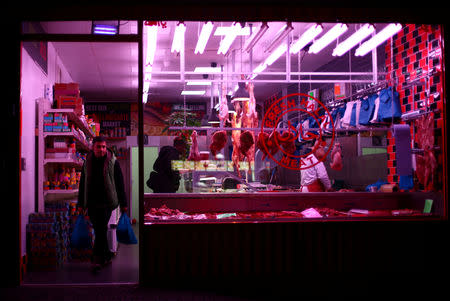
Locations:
{"points": [[66, 89], [69, 102], [48, 127], [48, 118]]}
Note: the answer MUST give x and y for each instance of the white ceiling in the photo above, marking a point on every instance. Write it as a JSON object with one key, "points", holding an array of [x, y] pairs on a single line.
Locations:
{"points": [[109, 71], [104, 71]]}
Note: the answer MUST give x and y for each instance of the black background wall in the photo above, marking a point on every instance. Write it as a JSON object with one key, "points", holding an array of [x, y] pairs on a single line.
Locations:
{"points": [[429, 248]]}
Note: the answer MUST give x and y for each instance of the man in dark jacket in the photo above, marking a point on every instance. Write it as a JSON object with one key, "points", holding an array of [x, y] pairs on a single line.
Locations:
{"points": [[101, 191], [163, 178]]}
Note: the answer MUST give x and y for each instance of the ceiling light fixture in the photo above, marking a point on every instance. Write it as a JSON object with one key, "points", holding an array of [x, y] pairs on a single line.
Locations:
{"points": [[241, 94], [207, 69], [327, 38], [213, 118], [306, 38], [193, 92], [226, 42], [204, 37], [255, 37], [258, 70], [287, 29], [145, 91], [178, 37], [354, 39], [105, 27], [150, 51], [231, 109], [199, 83], [276, 54], [224, 30], [379, 38], [152, 37]]}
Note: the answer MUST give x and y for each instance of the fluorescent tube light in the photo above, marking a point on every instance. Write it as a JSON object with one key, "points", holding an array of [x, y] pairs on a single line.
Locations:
{"points": [[224, 30], [152, 36], [276, 54], [329, 37], [354, 39], [225, 44], [287, 29], [204, 37], [146, 91], [207, 69], [199, 83], [148, 72], [105, 29], [255, 37], [258, 70], [379, 38], [306, 37], [178, 37], [192, 92]]}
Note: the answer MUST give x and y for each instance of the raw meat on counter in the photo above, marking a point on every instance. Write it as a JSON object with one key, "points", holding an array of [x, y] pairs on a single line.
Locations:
{"points": [[167, 214]]}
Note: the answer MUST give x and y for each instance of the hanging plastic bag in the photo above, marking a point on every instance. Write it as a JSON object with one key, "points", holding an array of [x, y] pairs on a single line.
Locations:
{"points": [[80, 238], [389, 105], [125, 233]]}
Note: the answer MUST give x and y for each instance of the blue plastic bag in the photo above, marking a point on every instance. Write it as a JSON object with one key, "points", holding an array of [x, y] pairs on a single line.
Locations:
{"points": [[80, 238], [125, 233], [377, 184]]}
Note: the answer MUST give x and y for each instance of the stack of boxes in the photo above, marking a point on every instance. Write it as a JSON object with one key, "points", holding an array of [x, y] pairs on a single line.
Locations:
{"points": [[49, 234], [67, 96], [56, 122]]}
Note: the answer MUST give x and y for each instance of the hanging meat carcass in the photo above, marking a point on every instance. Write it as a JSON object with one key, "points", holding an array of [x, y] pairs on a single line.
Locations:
{"points": [[194, 154], [426, 164], [223, 106], [219, 140], [251, 113], [236, 156], [336, 157], [249, 120]]}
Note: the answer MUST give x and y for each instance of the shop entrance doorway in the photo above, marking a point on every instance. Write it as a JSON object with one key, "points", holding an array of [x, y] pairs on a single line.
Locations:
{"points": [[61, 79]]}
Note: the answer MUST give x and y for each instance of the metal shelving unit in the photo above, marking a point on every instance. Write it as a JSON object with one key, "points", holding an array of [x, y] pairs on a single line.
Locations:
{"points": [[45, 163]]}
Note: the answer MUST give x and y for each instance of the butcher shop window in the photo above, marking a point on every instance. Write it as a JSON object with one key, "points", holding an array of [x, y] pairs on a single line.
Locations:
{"points": [[294, 106]]}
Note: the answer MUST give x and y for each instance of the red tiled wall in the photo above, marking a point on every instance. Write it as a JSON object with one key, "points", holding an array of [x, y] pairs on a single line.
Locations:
{"points": [[416, 50]]}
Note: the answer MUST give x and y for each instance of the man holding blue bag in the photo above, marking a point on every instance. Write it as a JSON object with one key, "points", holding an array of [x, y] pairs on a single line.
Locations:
{"points": [[101, 190]]}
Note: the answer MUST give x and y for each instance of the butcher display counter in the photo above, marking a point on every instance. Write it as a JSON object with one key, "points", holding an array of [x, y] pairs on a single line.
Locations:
{"points": [[296, 239], [266, 206]]}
